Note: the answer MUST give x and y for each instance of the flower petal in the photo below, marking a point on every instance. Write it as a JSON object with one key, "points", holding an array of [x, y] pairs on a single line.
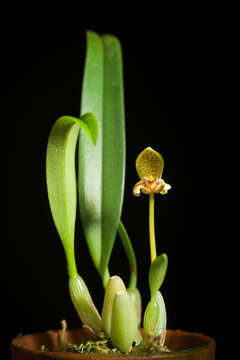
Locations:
{"points": [[165, 189], [149, 163], [137, 188]]}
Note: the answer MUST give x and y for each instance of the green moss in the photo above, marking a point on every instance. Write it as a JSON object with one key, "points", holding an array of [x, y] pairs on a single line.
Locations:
{"points": [[150, 345], [99, 345], [102, 345]]}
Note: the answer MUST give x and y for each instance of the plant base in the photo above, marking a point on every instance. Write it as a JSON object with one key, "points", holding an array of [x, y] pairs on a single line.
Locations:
{"points": [[183, 345]]}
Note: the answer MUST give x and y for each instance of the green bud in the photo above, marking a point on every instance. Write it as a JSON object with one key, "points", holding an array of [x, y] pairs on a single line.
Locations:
{"points": [[83, 303], [124, 322], [157, 273], [137, 301], [114, 285]]}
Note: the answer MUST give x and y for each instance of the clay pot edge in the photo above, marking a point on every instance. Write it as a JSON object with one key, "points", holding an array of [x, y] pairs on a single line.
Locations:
{"points": [[210, 342]]}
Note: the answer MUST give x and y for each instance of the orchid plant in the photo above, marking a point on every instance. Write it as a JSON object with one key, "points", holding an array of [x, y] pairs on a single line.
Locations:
{"points": [[98, 136]]}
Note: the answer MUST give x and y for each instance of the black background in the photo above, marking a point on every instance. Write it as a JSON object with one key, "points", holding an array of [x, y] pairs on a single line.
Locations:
{"points": [[174, 102]]}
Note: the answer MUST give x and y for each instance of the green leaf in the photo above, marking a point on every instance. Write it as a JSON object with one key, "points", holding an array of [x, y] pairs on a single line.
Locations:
{"points": [[61, 178], [62, 194], [90, 158], [102, 169], [113, 146], [157, 274]]}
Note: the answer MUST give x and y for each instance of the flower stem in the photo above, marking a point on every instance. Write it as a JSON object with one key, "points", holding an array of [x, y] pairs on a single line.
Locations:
{"points": [[130, 255], [152, 228]]}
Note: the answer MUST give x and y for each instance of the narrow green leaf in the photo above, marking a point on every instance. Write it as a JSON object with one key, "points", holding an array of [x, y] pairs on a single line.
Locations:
{"points": [[157, 273], [124, 322], [113, 174], [102, 169], [127, 245], [90, 158], [61, 178]]}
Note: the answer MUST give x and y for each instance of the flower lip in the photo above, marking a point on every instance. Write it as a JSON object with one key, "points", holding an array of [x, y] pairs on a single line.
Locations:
{"points": [[151, 182]]}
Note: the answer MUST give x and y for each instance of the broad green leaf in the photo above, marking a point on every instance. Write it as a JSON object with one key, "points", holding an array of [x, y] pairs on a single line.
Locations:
{"points": [[90, 158], [102, 169], [113, 172], [157, 273], [61, 177]]}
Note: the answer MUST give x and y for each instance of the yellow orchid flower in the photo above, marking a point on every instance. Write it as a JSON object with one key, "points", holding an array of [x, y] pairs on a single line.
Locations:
{"points": [[149, 166]]}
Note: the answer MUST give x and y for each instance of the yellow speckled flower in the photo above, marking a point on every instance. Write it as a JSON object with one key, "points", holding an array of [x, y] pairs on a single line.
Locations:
{"points": [[149, 166]]}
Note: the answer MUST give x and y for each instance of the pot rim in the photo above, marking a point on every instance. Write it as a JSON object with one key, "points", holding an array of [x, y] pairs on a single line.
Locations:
{"points": [[209, 344]]}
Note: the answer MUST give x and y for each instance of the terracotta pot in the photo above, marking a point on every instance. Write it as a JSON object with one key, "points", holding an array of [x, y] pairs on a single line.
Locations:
{"points": [[183, 345]]}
